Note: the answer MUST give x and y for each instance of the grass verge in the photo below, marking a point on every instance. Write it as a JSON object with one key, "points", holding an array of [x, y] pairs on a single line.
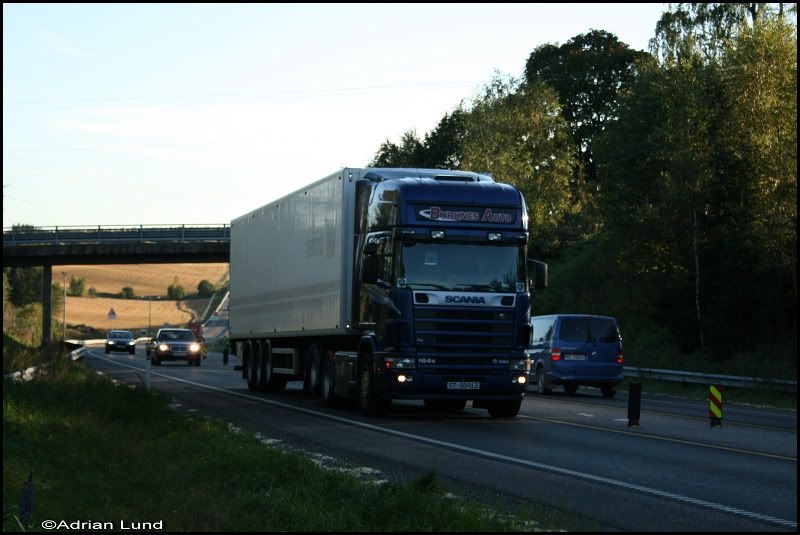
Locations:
{"points": [[105, 452]]}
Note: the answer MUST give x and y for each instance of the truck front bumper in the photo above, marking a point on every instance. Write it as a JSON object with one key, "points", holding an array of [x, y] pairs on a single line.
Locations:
{"points": [[426, 384]]}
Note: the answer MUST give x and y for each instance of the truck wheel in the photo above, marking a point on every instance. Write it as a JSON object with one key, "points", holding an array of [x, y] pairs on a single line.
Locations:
{"points": [[311, 382], [252, 379], [367, 400], [541, 382], [273, 382], [329, 383], [504, 409]]}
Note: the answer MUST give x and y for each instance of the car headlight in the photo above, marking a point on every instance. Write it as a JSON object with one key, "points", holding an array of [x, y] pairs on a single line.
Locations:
{"points": [[163, 347], [110, 342], [194, 347], [132, 343]]}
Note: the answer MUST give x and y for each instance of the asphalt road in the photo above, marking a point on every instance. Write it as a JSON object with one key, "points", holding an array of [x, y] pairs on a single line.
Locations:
{"points": [[572, 453]]}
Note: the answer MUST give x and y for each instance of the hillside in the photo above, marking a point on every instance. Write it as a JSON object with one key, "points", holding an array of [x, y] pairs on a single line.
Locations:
{"points": [[131, 313]]}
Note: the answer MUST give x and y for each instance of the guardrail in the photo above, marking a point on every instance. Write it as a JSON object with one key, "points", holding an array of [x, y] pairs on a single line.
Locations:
{"points": [[25, 235], [706, 379]]}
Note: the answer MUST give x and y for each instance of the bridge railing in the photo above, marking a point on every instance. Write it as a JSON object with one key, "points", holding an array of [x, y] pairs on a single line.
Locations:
{"points": [[30, 235]]}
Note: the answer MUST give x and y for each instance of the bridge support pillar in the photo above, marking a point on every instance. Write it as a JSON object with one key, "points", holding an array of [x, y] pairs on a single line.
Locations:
{"points": [[47, 303]]}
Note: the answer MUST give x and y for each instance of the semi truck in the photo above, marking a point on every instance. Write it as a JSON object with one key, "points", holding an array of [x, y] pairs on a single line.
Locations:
{"points": [[382, 284]]}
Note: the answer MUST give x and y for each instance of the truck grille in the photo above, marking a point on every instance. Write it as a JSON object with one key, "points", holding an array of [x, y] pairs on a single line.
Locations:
{"points": [[461, 337]]}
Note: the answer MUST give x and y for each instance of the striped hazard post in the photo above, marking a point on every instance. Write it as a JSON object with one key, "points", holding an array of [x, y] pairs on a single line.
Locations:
{"points": [[715, 405]]}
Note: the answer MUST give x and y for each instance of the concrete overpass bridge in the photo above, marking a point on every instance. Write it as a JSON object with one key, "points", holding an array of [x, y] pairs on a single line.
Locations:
{"points": [[26, 245]]}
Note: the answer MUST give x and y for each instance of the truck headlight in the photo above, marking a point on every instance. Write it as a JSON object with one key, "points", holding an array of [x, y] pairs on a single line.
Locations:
{"points": [[400, 363], [524, 364], [194, 347]]}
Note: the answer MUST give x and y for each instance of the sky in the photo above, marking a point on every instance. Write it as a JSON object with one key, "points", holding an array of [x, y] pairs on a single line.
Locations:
{"points": [[197, 114]]}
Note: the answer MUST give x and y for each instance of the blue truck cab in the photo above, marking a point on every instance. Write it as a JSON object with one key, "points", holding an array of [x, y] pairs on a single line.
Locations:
{"points": [[574, 350], [442, 292]]}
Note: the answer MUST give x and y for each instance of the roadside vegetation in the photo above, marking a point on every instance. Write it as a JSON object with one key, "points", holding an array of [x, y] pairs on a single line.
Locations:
{"points": [[195, 474], [661, 185]]}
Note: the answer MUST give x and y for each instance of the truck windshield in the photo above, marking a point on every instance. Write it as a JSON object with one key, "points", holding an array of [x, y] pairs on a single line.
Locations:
{"points": [[461, 267]]}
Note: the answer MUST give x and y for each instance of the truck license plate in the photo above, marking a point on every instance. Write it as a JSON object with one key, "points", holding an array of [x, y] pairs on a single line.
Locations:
{"points": [[463, 386]]}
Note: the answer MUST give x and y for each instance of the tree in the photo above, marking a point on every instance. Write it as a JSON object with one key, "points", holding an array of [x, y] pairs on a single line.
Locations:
{"points": [[589, 73], [705, 28], [701, 187], [127, 293], [205, 288], [175, 291], [441, 149], [25, 285], [77, 286], [92, 292], [519, 136]]}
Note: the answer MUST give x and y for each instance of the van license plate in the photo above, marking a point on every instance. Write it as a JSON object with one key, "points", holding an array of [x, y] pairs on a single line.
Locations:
{"points": [[464, 386], [574, 357]]}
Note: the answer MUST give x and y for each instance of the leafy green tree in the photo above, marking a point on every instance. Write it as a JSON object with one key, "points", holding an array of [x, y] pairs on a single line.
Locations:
{"points": [[128, 293], [175, 291], [25, 285], [77, 286], [519, 136], [588, 73], [442, 147], [205, 288], [686, 29]]}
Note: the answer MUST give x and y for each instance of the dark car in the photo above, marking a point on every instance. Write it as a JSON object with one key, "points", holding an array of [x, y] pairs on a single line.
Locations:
{"points": [[573, 350], [175, 344], [120, 341]]}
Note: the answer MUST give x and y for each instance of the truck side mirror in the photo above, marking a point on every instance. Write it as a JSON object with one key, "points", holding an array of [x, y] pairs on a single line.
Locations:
{"points": [[539, 271], [369, 272]]}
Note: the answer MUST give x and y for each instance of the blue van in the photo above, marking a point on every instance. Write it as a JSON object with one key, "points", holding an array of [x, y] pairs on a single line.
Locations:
{"points": [[574, 350]]}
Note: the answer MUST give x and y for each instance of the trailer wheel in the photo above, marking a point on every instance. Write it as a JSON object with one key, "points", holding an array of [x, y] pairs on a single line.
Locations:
{"points": [[329, 382], [311, 370], [273, 382], [249, 359]]}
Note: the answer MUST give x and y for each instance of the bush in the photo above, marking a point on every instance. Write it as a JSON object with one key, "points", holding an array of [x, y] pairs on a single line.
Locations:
{"points": [[92, 292], [77, 286], [175, 291], [128, 293], [205, 288]]}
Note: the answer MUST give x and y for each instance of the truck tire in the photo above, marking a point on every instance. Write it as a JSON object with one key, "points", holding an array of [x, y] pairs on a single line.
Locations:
{"points": [[368, 400], [252, 379], [273, 382], [504, 409], [311, 370], [329, 382]]}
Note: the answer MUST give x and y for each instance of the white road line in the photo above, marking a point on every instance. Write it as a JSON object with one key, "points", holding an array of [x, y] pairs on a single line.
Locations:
{"points": [[491, 455]]}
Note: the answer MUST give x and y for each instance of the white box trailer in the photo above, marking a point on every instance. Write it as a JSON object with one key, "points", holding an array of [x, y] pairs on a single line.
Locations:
{"points": [[291, 263]]}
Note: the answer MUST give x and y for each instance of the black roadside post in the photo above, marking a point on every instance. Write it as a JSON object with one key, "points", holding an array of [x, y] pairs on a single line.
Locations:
{"points": [[634, 403]]}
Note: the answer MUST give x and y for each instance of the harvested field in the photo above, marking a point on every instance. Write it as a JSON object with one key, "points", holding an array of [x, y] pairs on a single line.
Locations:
{"points": [[131, 313], [145, 279]]}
